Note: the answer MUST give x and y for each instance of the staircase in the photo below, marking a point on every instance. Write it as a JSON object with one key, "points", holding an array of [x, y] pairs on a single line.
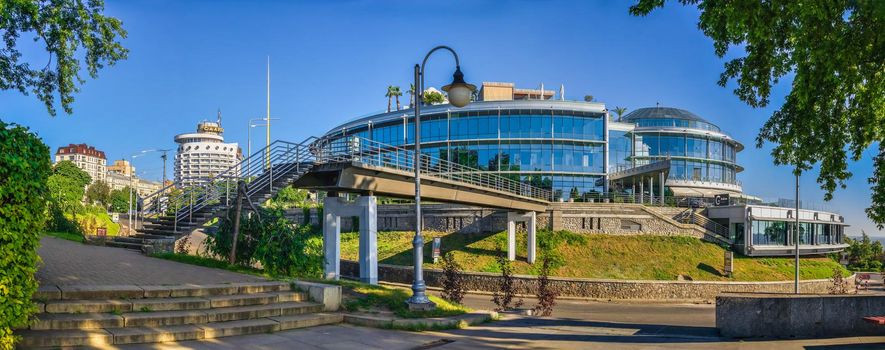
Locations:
{"points": [[715, 230], [173, 212], [108, 315]]}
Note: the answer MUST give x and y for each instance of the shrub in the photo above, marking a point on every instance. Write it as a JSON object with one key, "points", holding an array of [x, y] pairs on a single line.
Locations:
{"points": [[839, 284], [269, 238], [504, 295], [24, 171], [546, 294], [452, 279]]}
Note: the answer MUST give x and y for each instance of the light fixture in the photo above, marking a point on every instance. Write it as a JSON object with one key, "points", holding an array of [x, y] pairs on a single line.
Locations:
{"points": [[459, 91]]}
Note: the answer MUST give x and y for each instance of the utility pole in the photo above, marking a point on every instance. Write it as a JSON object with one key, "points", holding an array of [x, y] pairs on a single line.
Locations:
{"points": [[267, 129]]}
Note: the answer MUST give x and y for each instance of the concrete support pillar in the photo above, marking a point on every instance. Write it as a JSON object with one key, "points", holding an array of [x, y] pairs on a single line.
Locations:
{"points": [[641, 190], [651, 190], [633, 190], [365, 208], [661, 187], [530, 218]]}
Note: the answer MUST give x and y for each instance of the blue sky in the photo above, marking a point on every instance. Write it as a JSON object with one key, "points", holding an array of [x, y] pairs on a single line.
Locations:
{"points": [[332, 61]]}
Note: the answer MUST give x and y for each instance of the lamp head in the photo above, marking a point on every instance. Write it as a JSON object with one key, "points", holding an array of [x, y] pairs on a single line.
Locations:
{"points": [[459, 91]]}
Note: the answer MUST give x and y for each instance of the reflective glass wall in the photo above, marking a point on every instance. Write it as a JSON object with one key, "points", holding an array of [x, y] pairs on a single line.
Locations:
{"points": [[555, 149], [693, 157]]}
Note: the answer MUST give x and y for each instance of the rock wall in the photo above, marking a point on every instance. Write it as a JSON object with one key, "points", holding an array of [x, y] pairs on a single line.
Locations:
{"points": [[616, 219], [598, 288]]}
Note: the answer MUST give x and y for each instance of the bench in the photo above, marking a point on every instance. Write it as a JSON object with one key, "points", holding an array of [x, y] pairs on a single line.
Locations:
{"points": [[879, 320]]}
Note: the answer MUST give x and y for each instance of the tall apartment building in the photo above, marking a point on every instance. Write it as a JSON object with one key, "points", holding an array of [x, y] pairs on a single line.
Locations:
{"points": [[86, 157], [203, 154]]}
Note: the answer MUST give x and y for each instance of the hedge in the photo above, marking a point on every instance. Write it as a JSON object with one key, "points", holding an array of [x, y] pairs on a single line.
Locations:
{"points": [[24, 169]]}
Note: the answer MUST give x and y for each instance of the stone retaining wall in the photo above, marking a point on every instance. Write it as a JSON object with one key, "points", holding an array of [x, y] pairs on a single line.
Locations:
{"points": [[790, 315], [618, 219], [597, 288]]}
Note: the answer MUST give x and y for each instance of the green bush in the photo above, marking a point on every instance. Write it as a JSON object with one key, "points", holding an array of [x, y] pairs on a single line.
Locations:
{"points": [[24, 170], [282, 248]]}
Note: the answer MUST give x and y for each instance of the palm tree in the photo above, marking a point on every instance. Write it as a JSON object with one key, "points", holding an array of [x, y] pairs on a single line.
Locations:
{"points": [[620, 111], [411, 95], [588, 98], [397, 93], [389, 96]]}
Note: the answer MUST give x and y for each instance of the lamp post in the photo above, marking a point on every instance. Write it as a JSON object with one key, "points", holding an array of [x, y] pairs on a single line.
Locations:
{"points": [[459, 96], [249, 135], [796, 282], [131, 161]]}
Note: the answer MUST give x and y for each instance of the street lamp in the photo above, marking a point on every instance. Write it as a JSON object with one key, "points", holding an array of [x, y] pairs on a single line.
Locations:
{"points": [[131, 161], [459, 96], [252, 124]]}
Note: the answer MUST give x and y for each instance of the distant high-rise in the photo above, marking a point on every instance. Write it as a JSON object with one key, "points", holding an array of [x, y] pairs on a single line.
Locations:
{"points": [[203, 154]]}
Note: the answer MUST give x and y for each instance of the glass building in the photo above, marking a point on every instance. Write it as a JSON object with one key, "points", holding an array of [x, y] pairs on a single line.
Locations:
{"points": [[570, 147]]}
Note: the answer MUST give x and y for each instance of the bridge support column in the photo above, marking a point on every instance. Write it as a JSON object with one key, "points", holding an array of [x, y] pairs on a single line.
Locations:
{"points": [[530, 218], [366, 209]]}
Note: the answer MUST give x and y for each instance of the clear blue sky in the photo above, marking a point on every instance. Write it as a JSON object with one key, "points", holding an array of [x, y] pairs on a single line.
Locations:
{"points": [[332, 61]]}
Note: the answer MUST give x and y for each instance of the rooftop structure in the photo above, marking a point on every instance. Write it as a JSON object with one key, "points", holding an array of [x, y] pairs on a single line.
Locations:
{"points": [[86, 157], [203, 153]]}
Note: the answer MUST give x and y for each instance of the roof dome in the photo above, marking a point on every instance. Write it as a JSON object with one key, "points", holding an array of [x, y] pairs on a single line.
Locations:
{"points": [[662, 113]]}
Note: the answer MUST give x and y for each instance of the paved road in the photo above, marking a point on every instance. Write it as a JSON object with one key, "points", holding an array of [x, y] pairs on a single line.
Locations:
{"points": [[70, 263]]}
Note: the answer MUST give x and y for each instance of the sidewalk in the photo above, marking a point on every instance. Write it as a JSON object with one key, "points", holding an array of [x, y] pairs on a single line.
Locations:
{"points": [[71, 263]]}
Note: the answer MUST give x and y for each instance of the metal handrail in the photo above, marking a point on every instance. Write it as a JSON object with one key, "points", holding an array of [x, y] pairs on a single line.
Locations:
{"points": [[258, 169], [374, 153]]}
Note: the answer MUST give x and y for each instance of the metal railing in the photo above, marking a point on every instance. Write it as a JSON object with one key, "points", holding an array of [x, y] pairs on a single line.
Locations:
{"points": [[260, 170], [691, 216], [373, 153]]}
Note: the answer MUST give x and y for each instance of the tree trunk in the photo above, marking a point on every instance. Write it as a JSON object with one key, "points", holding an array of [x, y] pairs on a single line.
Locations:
{"points": [[388, 103], [238, 207], [398, 106]]}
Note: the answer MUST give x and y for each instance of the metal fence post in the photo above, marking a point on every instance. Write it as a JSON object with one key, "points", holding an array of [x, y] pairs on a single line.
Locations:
{"points": [[190, 210]]}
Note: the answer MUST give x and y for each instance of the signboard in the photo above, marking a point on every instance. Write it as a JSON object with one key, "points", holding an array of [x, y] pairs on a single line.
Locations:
{"points": [[721, 199], [436, 247], [729, 263], [115, 218], [101, 231]]}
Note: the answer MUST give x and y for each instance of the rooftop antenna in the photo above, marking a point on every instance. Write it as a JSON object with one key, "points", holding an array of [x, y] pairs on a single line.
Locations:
{"points": [[657, 104], [219, 116], [561, 92]]}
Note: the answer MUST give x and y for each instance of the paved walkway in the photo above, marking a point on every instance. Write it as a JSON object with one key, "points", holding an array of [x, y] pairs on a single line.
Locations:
{"points": [[72, 263]]}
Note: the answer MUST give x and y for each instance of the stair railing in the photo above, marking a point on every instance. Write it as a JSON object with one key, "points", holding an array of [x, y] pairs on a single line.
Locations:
{"points": [[377, 154], [260, 169]]}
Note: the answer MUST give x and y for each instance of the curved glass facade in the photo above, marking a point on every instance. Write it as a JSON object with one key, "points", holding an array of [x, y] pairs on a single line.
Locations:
{"points": [[556, 145], [566, 146]]}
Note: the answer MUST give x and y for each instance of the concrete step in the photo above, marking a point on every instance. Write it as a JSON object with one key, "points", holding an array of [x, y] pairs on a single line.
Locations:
{"points": [[130, 292], [83, 321], [169, 304], [124, 239], [126, 245], [135, 335]]}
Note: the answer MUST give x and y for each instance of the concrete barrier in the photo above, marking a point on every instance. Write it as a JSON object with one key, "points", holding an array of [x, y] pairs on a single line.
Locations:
{"points": [[802, 315]]}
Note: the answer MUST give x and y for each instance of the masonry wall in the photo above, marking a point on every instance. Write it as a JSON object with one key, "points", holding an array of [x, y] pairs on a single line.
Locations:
{"points": [[598, 288], [616, 219]]}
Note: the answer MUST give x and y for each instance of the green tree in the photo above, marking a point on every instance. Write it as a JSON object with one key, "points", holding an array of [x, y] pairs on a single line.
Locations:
{"points": [[67, 186], [119, 200], [389, 95], [288, 197], [433, 97], [620, 111], [835, 52], [99, 193], [411, 93], [588, 98], [396, 93], [864, 253], [63, 27]]}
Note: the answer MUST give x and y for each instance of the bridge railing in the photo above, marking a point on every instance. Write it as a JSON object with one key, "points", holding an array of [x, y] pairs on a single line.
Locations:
{"points": [[259, 170], [378, 154]]}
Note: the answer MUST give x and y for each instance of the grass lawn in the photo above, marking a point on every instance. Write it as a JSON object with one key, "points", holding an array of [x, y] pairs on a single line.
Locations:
{"points": [[75, 237], [210, 262], [599, 256]]}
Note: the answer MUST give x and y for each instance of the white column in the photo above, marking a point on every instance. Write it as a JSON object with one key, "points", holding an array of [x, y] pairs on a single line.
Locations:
{"points": [[511, 239], [531, 225], [331, 239], [368, 239]]}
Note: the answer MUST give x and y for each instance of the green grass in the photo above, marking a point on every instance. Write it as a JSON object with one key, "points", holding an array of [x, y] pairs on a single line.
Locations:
{"points": [[210, 262], [393, 299], [600, 256], [75, 237]]}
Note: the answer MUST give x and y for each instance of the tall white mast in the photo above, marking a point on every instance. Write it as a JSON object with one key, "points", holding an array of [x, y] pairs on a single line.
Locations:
{"points": [[267, 120]]}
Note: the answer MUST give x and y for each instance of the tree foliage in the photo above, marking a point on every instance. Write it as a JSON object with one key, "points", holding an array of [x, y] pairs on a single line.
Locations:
{"points": [[431, 97], [835, 52], [288, 197], [119, 200], [452, 279], [67, 186], [99, 193], [63, 27], [24, 169], [504, 297], [864, 254]]}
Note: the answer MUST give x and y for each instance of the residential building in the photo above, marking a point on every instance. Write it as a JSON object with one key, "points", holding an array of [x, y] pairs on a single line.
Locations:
{"points": [[86, 157], [203, 154], [117, 181], [122, 167]]}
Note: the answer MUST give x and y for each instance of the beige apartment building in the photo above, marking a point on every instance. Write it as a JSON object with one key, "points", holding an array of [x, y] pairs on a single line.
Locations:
{"points": [[86, 157], [122, 167]]}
